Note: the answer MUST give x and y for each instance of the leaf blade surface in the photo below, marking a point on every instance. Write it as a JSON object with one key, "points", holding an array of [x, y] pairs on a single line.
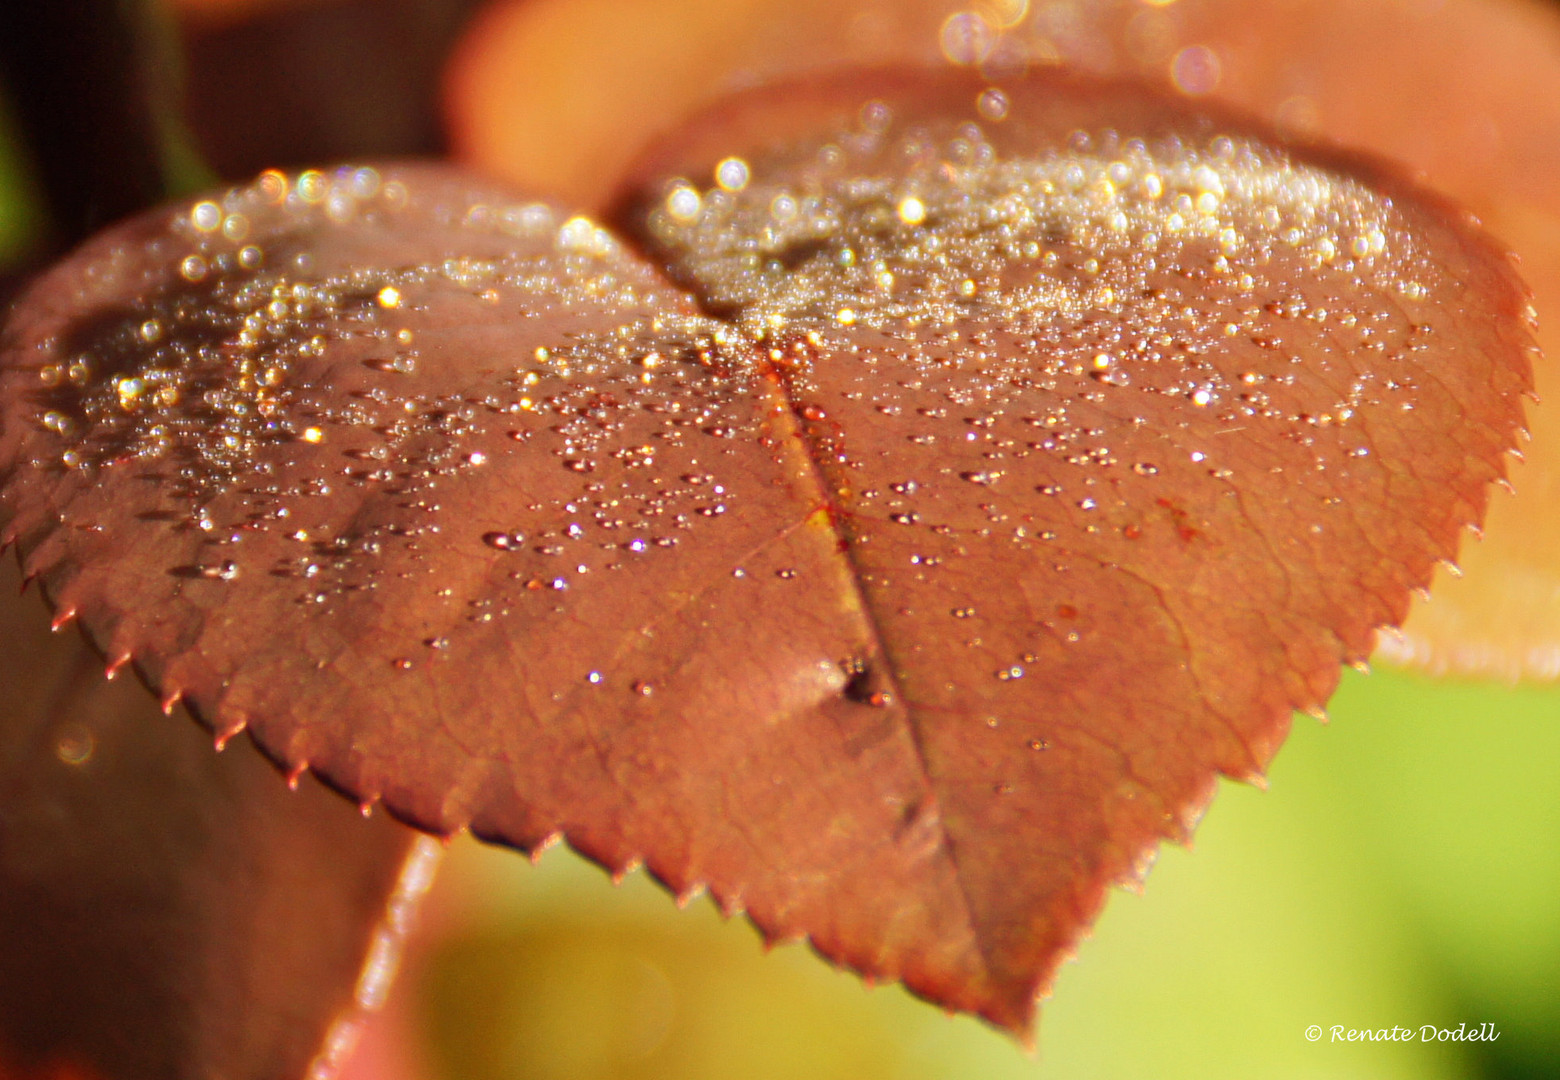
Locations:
{"points": [[995, 485]]}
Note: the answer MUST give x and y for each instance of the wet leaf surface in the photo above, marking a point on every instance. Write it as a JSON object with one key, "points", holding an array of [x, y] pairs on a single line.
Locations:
{"points": [[1007, 463], [166, 911], [1462, 93]]}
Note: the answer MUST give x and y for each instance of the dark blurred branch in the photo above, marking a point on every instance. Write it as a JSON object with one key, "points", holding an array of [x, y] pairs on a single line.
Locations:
{"points": [[92, 85], [304, 85]]}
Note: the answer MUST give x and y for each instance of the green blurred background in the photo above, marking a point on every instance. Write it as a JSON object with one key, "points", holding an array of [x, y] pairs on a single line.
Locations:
{"points": [[21, 228], [1402, 869]]}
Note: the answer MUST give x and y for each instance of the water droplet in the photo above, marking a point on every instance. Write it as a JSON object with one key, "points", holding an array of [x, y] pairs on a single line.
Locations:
{"points": [[206, 216], [732, 174], [224, 571], [992, 104], [683, 204], [967, 38], [74, 745], [311, 186]]}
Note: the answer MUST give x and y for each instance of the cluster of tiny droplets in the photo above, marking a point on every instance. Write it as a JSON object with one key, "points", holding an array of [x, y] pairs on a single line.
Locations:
{"points": [[203, 374], [576, 403], [216, 365], [966, 237], [1022, 289], [955, 257], [201, 368], [1127, 260]]}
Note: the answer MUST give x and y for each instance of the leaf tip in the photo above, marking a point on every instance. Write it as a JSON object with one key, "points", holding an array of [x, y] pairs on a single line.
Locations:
{"points": [[689, 893], [542, 846], [223, 735]]}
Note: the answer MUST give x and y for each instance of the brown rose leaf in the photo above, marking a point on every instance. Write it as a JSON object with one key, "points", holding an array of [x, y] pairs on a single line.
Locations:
{"points": [[1463, 95], [1018, 458], [166, 911], [1121, 437]]}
